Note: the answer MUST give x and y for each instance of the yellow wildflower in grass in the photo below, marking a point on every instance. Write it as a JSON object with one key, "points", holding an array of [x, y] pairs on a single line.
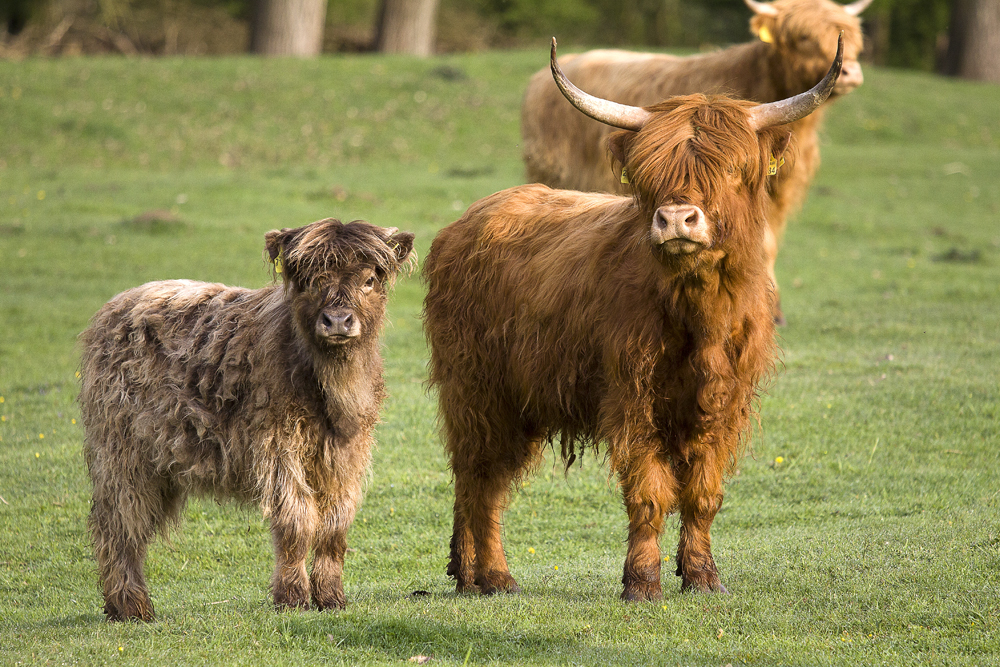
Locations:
{"points": [[72, 421], [557, 567], [778, 460], [41, 436], [1, 399], [37, 455], [531, 550], [41, 195]]}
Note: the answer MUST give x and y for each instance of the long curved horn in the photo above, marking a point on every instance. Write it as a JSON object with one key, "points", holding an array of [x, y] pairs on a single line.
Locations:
{"points": [[856, 7], [610, 113], [801, 105], [765, 9]]}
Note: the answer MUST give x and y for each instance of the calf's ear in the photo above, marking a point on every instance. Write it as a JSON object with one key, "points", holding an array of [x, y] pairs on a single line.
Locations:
{"points": [[276, 243], [402, 244]]}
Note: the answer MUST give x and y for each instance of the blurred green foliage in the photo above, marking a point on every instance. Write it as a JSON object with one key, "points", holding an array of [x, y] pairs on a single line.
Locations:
{"points": [[901, 33]]}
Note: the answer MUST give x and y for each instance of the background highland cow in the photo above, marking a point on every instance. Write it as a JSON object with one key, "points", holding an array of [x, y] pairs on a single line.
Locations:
{"points": [[797, 39], [639, 324], [268, 396]]}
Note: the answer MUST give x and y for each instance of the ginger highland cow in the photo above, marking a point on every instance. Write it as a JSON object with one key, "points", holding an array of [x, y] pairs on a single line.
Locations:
{"points": [[641, 325], [268, 396]]}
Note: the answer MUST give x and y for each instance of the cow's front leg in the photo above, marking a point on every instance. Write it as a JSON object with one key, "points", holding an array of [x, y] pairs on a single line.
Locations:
{"points": [[293, 526], [649, 492], [700, 500]]}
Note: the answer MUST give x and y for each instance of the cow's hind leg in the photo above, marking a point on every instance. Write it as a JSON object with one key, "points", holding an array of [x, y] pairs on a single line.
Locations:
{"points": [[483, 498], [483, 478], [700, 500], [649, 492], [771, 253], [124, 517], [462, 558]]}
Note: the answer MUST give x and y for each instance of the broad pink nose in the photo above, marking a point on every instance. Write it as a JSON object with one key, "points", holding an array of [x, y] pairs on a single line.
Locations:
{"points": [[680, 223], [851, 77]]}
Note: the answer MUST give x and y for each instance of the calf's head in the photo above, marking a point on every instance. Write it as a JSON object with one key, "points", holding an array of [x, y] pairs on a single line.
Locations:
{"points": [[337, 277], [698, 165], [803, 34]]}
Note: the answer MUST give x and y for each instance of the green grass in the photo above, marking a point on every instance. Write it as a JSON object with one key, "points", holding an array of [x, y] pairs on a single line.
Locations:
{"points": [[875, 541]]}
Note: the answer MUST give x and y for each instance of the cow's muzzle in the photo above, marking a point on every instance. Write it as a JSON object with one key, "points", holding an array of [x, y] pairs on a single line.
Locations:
{"points": [[851, 77], [337, 325], [680, 229]]}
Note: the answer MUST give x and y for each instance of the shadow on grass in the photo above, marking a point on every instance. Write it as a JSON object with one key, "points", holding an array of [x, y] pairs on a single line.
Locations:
{"points": [[402, 639]]}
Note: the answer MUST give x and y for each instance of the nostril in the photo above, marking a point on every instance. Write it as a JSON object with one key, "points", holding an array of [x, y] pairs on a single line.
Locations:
{"points": [[692, 219], [659, 219], [348, 321], [327, 320]]}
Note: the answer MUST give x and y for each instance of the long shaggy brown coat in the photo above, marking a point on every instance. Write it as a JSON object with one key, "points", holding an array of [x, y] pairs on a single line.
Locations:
{"points": [[564, 149], [556, 316], [268, 396]]}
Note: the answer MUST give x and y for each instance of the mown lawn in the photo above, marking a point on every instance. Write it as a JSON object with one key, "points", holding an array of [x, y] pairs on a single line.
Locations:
{"points": [[863, 529]]}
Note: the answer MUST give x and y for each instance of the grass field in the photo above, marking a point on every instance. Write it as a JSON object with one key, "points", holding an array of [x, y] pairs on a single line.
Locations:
{"points": [[875, 540]]}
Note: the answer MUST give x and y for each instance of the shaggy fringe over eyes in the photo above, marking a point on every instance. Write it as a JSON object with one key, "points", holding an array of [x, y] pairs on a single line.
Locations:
{"points": [[688, 145], [692, 151], [315, 249]]}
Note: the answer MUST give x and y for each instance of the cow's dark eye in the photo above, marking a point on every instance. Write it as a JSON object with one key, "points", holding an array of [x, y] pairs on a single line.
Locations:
{"points": [[370, 283]]}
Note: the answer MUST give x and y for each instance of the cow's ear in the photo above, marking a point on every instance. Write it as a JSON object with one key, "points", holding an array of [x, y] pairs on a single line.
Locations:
{"points": [[781, 145], [616, 144], [763, 26]]}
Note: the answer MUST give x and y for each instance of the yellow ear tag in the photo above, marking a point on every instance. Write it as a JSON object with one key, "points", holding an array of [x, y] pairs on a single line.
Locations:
{"points": [[772, 165], [624, 176], [277, 262], [765, 35]]}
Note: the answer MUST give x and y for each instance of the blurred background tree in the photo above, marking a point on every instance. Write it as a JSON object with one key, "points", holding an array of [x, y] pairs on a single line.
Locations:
{"points": [[974, 40], [958, 37], [407, 26], [287, 27]]}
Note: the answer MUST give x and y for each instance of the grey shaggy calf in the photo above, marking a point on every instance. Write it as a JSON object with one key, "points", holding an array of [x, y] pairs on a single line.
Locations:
{"points": [[269, 396]]}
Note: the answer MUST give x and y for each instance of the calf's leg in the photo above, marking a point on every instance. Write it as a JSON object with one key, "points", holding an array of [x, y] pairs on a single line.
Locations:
{"points": [[327, 577], [125, 515], [293, 526]]}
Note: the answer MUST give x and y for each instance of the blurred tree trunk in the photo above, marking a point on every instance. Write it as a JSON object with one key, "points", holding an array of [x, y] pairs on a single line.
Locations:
{"points": [[288, 27], [406, 26], [974, 40]]}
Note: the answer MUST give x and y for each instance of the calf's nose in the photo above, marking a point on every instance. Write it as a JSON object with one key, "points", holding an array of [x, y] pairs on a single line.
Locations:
{"points": [[338, 322], [684, 224]]}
